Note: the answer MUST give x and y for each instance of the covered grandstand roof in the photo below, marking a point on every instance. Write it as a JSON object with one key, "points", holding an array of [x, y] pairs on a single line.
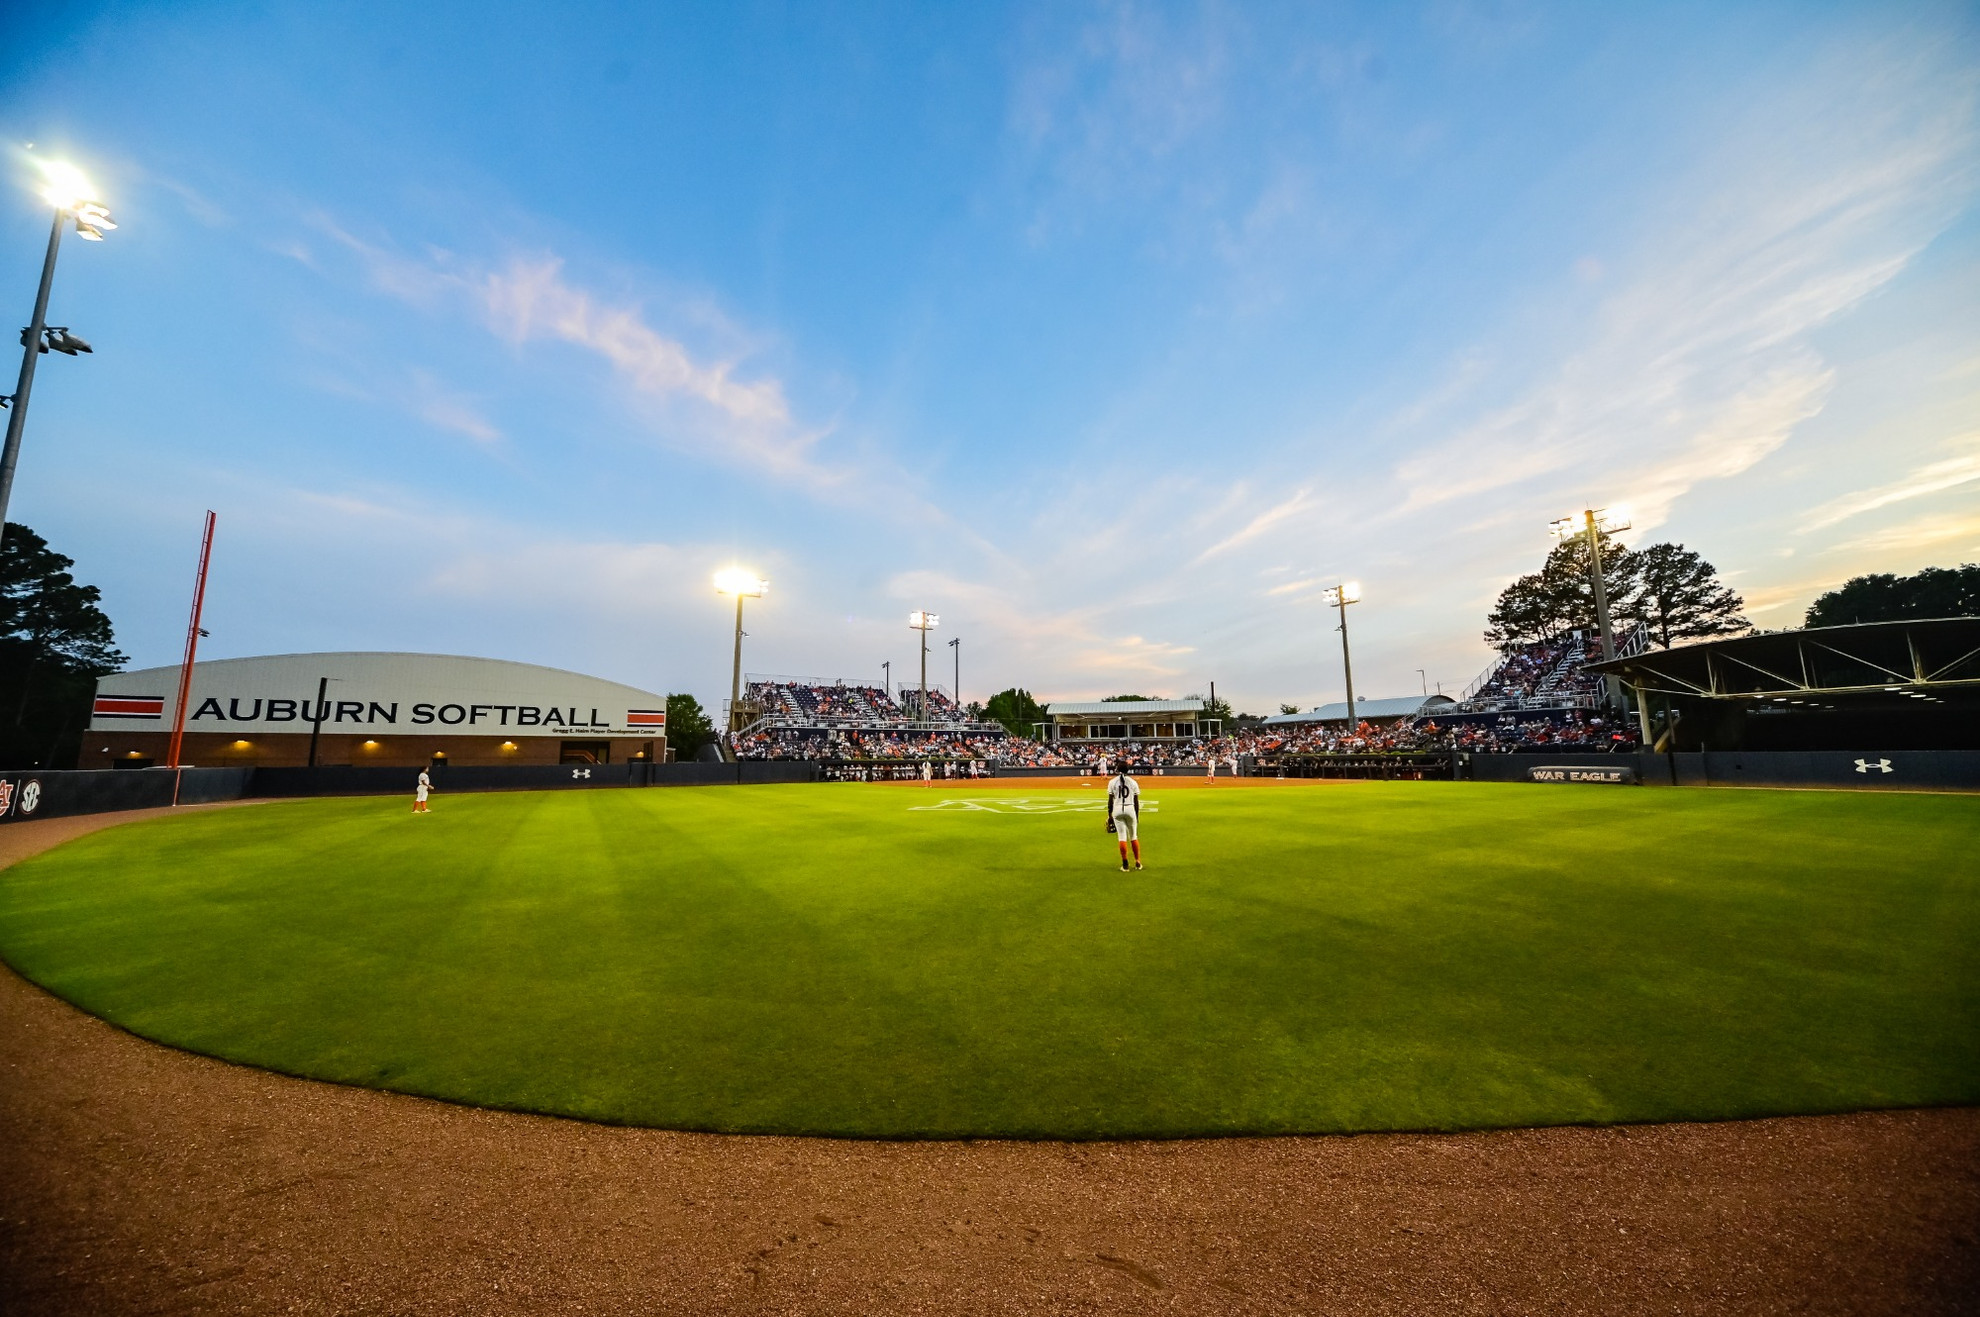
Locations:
{"points": [[1124, 708], [1405, 706], [1910, 657]]}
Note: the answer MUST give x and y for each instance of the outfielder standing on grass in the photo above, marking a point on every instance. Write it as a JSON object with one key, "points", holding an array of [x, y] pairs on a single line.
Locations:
{"points": [[1124, 815], [424, 785]]}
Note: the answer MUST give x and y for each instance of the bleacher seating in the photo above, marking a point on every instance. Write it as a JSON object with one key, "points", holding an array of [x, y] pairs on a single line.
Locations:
{"points": [[1547, 674], [799, 703]]}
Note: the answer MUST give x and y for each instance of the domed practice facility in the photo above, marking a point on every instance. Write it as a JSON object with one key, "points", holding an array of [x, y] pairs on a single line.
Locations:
{"points": [[377, 709]]}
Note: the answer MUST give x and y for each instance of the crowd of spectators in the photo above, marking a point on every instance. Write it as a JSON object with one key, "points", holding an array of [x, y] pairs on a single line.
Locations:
{"points": [[1544, 674], [1578, 729], [853, 725], [871, 743]]}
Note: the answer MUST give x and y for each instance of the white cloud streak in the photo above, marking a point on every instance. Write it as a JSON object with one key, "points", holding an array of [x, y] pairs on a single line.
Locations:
{"points": [[1932, 478], [694, 402]]}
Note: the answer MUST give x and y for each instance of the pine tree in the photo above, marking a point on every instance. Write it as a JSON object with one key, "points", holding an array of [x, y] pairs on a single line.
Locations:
{"points": [[1681, 596], [55, 641], [1559, 598]]}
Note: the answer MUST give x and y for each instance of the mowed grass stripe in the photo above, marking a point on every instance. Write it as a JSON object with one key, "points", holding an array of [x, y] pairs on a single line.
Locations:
{"points": [[829, 959]]}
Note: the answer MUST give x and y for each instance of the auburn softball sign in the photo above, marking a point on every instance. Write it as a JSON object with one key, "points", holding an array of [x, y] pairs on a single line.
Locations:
{"points": [[379, 694]]}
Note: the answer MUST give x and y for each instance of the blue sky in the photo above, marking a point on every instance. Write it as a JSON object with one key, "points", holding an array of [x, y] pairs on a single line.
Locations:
{"points": [[1111, 333]]}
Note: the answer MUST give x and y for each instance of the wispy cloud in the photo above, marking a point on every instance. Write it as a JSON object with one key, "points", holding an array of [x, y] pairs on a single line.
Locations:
{"points": [[530, 299], [1932, 478], [1957, 531], [1701, 363], [1260, 524], [441, 407], [706, 404]]}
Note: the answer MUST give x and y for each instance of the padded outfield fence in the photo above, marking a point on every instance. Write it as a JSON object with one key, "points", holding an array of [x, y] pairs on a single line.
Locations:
{"points": [[59, 793]]}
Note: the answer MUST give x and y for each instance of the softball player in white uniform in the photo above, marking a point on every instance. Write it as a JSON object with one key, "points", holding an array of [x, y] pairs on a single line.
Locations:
{"points": [[1124, 810]]}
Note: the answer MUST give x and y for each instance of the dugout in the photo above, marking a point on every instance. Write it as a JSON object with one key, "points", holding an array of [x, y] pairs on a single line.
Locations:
{"points": [[1909, 685], [373, 709], [1128, 720]]}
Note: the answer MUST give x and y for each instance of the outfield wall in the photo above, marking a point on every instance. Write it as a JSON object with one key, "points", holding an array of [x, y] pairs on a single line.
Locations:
{"points": [[56, 794], [338, 780], [31, 795], [1860, 770]]}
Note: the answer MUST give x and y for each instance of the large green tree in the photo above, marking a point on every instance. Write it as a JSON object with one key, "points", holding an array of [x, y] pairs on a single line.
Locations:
{"points": [[1016, 710], [1934, 592], [1559, 598], [1665, 587], [1680, 597], [688, 728], [55, 641]]}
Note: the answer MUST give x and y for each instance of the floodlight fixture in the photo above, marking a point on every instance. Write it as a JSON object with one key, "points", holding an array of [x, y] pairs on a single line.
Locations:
{"points": [[742, 584], [66, 187], [923, 621], [1593, 524], [1339, 597], [69, 192]]}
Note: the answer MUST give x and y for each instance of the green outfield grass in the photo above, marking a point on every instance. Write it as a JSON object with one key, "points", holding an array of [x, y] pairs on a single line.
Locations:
{"points": [[830, 959]]}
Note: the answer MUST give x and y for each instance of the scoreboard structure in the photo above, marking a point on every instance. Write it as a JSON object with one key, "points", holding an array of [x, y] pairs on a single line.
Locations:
{"points": [[364, 708]]}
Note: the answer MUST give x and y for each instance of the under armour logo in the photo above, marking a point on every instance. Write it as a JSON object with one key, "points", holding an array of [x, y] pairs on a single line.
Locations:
{"points": [[1881, 765], [585, 772]]}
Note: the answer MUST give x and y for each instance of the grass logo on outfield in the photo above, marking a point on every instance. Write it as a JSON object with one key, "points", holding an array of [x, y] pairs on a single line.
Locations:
{"points": [[1028, 805]]}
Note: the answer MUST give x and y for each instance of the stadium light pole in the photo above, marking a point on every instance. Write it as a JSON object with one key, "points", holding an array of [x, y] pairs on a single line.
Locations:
{"points": [[887, 678], [70, 193], [743, 585], [956, 646], [1340, 596], [924, 622], [1594, 525]]}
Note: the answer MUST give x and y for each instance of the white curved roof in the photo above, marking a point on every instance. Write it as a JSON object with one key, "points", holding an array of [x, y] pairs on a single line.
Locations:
{"points": [[1127, 709], [1404, 706], [379, 694]]}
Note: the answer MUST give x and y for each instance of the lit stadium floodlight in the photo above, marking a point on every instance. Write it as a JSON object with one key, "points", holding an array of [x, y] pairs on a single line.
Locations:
{"points": [[924, 622], [1339, 597], [1593, 524], [743, 585], [69, 192], [65, 187]]}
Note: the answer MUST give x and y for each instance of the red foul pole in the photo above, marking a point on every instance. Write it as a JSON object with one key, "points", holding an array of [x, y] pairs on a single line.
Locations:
{"points": [[192, 649]]}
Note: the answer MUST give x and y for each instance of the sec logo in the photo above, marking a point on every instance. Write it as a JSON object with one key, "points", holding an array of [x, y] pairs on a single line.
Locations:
{"points": [[30, 796]]}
